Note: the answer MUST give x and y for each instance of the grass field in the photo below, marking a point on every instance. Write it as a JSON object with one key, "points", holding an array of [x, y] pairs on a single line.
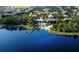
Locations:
{"points": [[63, 33], [22, 6]]}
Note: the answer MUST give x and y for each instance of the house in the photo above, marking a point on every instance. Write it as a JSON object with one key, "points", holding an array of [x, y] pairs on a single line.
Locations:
{"points": [[55, 12], [77, 14], [65, 16], [34, 15], [67, 19], [64, 11], [40, 19], [46, 9], [50, 16]]}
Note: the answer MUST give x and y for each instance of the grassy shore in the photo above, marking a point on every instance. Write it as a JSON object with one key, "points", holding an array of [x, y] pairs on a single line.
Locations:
{"points": [[63, 33], [29, 27]]}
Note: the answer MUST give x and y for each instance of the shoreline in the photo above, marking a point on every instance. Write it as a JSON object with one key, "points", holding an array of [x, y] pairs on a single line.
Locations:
{"points": [[62, 33], [49, 31]]}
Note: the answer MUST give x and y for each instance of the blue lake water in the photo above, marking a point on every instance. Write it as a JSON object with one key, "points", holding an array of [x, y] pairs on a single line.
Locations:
{"points": [[37, 41]]}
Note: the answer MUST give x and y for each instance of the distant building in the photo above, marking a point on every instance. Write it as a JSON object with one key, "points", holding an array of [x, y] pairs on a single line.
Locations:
{"points": [[40, 19], [67, 19], [50, 16], [77, 13], [64, 12], [66, 16], [46, 9], [34, 15], [55, 12], [7, 10]]}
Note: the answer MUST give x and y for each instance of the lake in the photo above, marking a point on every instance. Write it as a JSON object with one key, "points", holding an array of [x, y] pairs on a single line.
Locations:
{"points": [[21, 40]]}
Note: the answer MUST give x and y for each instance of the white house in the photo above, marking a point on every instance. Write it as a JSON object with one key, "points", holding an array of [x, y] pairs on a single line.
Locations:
{"points": [[50, 16], [66, 16], [34, 15], [67, 19]]}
